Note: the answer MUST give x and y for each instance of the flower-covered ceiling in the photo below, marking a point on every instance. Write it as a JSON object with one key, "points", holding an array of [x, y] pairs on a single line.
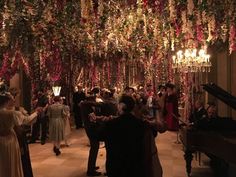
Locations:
{"points": [[98, 29]]}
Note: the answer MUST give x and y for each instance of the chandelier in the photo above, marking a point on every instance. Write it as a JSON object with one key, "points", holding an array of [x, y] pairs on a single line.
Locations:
{"points": [[191, 60]]}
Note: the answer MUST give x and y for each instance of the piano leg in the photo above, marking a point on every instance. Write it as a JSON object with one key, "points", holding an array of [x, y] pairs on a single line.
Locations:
{"points": [[188, 158]]}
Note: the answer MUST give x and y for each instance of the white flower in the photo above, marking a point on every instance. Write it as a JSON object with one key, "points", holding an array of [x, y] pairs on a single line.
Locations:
{"points": [[211, 27], [172, 9], [190, 7]]}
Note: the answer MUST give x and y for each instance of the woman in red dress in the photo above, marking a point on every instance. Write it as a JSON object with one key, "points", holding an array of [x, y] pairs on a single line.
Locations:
{"points": [[171, 108]]}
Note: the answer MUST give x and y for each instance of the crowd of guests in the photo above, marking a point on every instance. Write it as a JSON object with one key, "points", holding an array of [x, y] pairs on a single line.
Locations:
{"points": [[127, 126], [127, 122]]}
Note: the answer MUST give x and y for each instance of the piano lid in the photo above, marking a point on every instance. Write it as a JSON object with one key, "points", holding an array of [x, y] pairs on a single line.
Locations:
{"points": [[221, 94]]}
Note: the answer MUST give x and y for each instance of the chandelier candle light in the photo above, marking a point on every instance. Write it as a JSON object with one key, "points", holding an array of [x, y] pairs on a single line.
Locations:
{"points": [[189, 61], [56, 90]]}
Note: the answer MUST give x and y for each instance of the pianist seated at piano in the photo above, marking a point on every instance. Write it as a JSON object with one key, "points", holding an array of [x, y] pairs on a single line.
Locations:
{"points": [[211, 111], [207, 119], [198, 114], [212, 134]]}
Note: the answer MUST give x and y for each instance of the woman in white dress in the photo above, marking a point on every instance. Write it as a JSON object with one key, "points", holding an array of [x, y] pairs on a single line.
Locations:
{"points": [[56, 114], [10, 156], [22, 118]]}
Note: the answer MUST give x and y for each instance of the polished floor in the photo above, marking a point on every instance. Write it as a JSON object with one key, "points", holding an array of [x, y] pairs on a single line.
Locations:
{"points": [[73, 160]]}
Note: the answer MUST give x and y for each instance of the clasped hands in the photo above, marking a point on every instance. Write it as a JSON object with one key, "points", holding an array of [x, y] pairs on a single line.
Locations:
{"points": [[39, 110], [94, 118]]}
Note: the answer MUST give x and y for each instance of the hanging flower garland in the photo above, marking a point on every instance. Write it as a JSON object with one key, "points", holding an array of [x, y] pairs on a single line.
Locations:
{"points": [[10, 65], [5, 71], [93, 74], [118, 79], [199, 30], [232, 30], [55, 73], [232, 38], [53, 64]]}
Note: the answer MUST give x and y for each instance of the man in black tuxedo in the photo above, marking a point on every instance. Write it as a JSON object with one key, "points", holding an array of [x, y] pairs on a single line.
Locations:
{"points": [[42, 120], [78, 96], [91, 128], [124, 138], [199, 114]]}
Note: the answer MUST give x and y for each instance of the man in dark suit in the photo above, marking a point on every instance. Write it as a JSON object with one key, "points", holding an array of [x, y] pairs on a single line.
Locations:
{"points": [[124, 137], [42, 120], [78, 96], [87, 107], [199, 114]]}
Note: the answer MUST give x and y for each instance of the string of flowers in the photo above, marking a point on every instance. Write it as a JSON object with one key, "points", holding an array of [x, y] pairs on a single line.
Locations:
{"points": [[232, 38], [10, 65]]}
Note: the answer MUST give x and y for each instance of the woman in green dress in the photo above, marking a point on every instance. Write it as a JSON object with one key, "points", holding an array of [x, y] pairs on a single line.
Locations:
{"points": [[56, 114]]}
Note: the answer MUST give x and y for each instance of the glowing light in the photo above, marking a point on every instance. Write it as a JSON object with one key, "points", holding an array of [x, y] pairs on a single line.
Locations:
{"points": [[56, 90], [191, 60]]}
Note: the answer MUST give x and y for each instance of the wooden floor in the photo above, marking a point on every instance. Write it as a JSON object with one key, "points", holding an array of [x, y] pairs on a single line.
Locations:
{"points": [[73, 160]]}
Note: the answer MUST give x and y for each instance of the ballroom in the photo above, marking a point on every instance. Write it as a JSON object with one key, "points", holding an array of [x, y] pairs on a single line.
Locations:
{"points": [[117, 88]]}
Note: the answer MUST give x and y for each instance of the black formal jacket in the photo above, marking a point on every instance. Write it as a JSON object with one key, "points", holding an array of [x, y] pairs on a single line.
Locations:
{"points": [[198, 115], [92, 129], [124, 137], [77, 98]]}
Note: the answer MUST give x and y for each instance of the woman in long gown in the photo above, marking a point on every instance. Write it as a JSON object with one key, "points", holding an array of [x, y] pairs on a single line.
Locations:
{"points": [[10, 156], [22, 118], [171, 108], [153, 166], [56, 114], [67, 121]]}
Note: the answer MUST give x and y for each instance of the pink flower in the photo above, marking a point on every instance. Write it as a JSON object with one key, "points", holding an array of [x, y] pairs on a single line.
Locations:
{"points": [[232, 39], [199, 33], [177, 28]]}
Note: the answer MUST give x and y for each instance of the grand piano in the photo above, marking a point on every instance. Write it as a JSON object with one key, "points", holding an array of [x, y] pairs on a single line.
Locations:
{"points": [[217, 140]]}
